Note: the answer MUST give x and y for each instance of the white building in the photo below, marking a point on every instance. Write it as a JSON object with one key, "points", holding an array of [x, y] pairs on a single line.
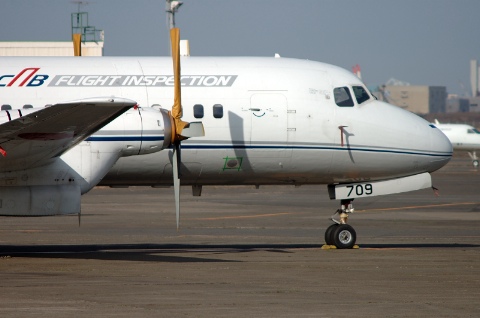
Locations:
{"points": [[49, 48]]}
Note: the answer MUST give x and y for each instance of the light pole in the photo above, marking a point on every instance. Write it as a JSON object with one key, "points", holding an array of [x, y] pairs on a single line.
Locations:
{"points": [[171, 6]]}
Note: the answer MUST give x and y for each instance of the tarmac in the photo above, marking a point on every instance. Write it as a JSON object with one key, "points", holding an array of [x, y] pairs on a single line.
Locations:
{"points": [[246, 252]]}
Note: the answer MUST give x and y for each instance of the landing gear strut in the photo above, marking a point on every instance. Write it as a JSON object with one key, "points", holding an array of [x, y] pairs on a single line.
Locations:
{"points": [[473, 156], [340, 234]]}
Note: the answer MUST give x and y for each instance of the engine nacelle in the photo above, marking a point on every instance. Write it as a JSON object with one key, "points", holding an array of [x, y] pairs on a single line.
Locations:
{"points": [[156, 130], [138, 131]]}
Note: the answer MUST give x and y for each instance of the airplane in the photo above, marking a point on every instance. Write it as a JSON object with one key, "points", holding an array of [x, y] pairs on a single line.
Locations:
{"points": [[463, 138], [265, 121]]}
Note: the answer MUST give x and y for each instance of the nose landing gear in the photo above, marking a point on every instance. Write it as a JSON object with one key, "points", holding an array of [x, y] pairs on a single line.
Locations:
{"points": [[473, 156], [340, 234]]}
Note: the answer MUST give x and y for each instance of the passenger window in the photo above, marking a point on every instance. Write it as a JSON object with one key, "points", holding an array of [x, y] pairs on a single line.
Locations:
{"points": [[473, 131], [360, 94], [217, 111], [198, 111], [343, 97]]}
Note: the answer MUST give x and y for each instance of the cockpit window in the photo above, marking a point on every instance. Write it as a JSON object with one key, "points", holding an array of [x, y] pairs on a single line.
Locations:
{"points": [[473, 131], [360, 94], [343, 97]]}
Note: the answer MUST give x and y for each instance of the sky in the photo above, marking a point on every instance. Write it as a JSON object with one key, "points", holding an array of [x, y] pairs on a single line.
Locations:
{"points": [[422, 42]]}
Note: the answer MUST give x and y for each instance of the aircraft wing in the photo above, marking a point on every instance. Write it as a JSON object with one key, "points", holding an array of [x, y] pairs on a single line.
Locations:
{"points": [[33, 139]]}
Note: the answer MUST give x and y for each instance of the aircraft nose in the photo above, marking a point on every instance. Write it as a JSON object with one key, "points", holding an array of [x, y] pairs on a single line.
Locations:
{"points": [[440, 147], [424, 147]]}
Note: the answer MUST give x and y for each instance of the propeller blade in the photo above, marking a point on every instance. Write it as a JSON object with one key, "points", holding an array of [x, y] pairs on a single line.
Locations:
{"points": [[177, 102], [177, 111], [176, 116], [180, 130], [176, 160]]}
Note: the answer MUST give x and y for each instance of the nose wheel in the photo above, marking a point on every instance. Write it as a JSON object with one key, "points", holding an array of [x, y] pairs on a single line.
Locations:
{"points": [[473, 156], [340, 234]]}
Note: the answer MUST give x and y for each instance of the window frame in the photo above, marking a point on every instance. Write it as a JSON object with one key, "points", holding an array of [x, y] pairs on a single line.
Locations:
{"points": [[345, 102], [217, 111], [365, 91], [198, 111]]}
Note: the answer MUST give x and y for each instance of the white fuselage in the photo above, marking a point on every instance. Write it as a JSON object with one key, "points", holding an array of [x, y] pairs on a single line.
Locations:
{"points": [[267, 120]]}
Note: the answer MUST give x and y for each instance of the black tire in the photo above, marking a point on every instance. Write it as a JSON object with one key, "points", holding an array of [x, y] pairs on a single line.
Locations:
{"points": [[344, 236], [328, 234]]}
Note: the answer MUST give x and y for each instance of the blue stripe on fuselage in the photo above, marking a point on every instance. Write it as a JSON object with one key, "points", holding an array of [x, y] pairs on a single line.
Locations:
{"points": [[125, 138], [264, 147]]}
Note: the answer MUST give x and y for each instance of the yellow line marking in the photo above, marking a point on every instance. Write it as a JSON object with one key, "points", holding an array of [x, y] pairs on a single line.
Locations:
{"points": [[419, 206], [388, 248], [369, 210], [244, 216]]}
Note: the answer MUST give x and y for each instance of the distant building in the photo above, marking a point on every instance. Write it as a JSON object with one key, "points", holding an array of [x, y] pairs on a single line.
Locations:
{"points": [[49, 48], [417, 99], [91, 41], [474, 78], [457, 104], [474, 104]]}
